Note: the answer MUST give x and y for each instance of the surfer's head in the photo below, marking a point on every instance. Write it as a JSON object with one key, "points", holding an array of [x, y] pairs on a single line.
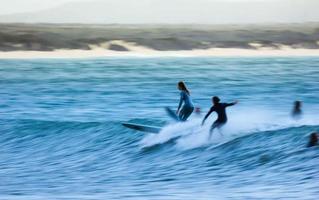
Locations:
{"points": [[215, 100], [182, 86]]}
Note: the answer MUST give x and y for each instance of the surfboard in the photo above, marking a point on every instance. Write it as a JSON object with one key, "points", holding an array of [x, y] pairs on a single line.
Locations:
{"points": [[172, 114], [143, 128], [151, 129]]}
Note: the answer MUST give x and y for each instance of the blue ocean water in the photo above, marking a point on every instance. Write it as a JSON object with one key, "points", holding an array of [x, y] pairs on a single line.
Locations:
{"points": [[61, 135]]}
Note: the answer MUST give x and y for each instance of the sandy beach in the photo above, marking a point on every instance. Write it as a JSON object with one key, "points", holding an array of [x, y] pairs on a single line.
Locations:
{"points": [[215, 52]]}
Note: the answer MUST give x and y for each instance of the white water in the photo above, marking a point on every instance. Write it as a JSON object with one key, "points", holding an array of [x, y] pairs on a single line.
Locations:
{"points": [[241, 122]]}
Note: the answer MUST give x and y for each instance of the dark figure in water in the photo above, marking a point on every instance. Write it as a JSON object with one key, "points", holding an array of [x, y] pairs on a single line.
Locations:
{"points": [[185, 98], [313, 139], [197, 110], [220, 109], [296, 112]]}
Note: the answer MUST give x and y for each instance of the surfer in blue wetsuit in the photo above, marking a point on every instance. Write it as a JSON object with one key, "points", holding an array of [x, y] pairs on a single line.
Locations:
{"points": [[220, 109], [186, 110]]}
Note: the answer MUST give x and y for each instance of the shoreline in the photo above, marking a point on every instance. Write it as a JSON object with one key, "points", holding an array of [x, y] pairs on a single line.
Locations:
{"points": [[144, 52]]}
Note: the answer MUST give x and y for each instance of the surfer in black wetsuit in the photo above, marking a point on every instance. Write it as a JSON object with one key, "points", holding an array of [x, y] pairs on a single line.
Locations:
{"points": [[313, 139], [296, 112], [220, 109]]}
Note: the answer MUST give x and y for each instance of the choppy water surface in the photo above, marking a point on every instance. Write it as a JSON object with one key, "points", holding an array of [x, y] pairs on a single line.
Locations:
{"points": [[62, 138]]}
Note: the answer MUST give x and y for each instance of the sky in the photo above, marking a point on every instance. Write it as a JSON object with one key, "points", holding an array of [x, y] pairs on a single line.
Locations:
{"points": [[160, 11], [18, 6]]}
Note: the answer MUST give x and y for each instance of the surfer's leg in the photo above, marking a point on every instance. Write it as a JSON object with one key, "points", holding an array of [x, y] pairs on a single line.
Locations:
{"points": [[220, 128], [215, 125], [218, 125], [181, 114], [185, 113]]}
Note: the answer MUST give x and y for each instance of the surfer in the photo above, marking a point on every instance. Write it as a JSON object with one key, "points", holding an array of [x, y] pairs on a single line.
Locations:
{"points": [[220, 109], [313, 139], [188, 106], [296, 112], [198, 111]]}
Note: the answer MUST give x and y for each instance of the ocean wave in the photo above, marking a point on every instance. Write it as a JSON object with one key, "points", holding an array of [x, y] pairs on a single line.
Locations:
{"points": [[191, 134]]}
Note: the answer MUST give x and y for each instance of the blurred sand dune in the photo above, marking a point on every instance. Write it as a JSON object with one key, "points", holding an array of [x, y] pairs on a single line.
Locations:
{"points": [[73, 40]]}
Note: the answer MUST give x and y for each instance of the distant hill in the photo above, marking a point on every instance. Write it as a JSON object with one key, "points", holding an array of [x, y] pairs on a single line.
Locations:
{"points": [[174, 11]]}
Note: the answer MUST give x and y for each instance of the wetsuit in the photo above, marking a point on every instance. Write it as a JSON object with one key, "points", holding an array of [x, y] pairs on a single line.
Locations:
{"points": [[187, 108], [297, 113], [220, 109]]}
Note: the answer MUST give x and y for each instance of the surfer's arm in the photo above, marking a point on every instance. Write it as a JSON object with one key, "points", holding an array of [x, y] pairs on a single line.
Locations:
{"points": [[207, 115], [231, 104], [180, 102]]}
